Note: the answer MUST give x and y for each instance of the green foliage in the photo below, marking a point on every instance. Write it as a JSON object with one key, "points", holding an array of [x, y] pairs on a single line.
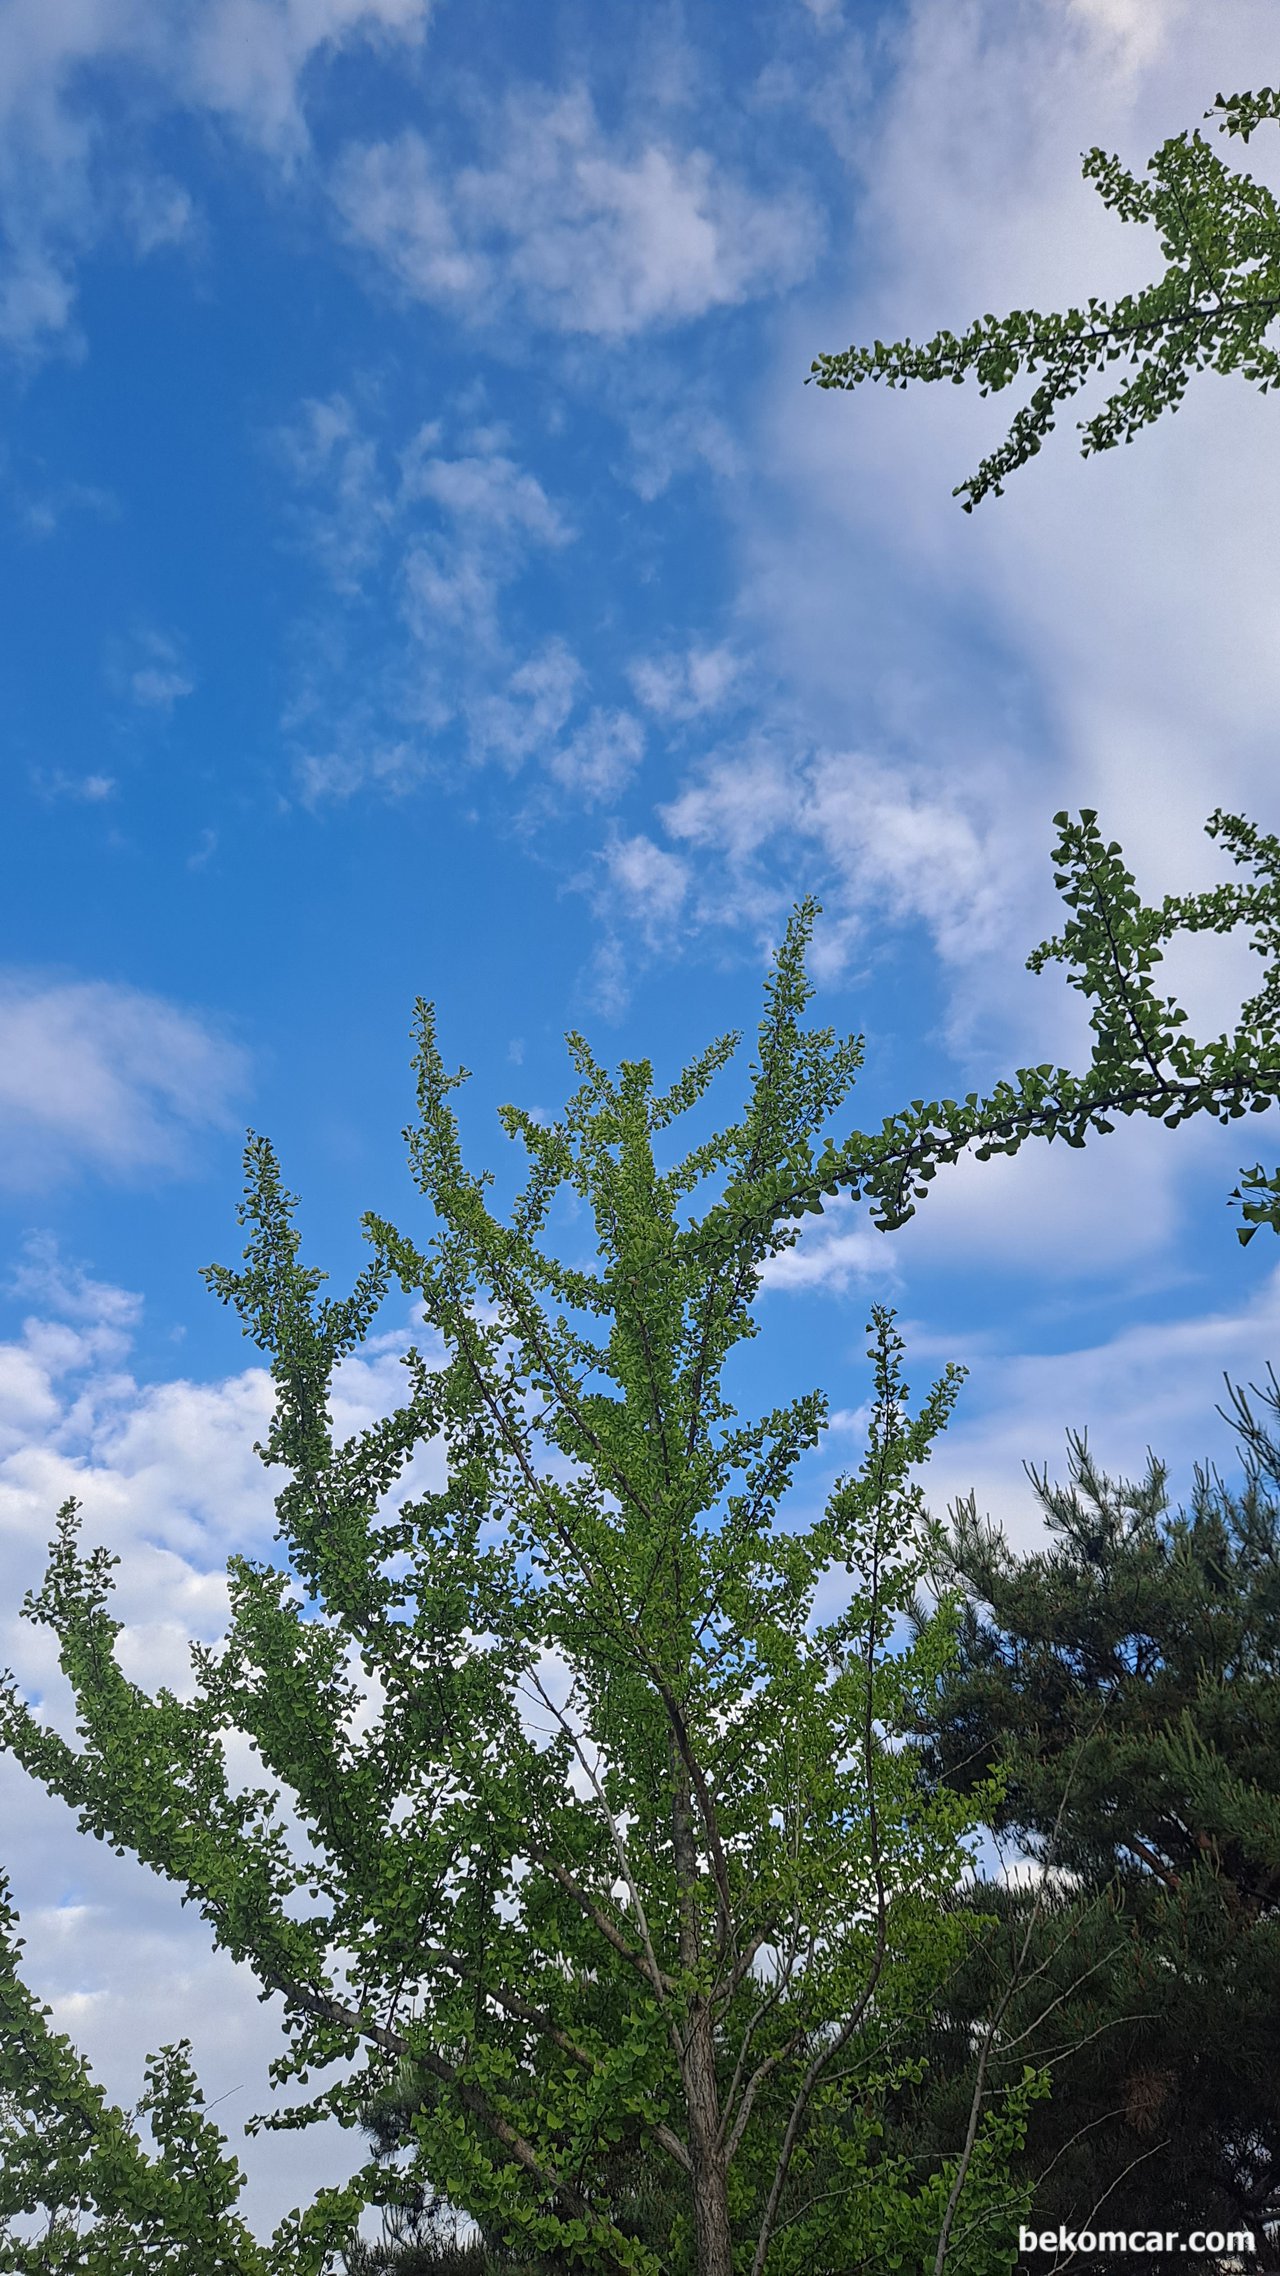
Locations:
{"points": [[77, 2167], [584, 1842], [1124, 1678], [1219, 232], [1143, 1061], [587, 1847]]}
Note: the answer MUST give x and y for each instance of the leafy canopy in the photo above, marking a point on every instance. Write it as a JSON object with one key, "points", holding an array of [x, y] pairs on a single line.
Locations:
{"points": [[1212, 309], [585, 1832], [587, 1786]]}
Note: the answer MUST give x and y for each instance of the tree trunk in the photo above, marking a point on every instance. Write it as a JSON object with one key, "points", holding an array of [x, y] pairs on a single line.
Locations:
{"points": [[706, 2148], [710, 2174]]}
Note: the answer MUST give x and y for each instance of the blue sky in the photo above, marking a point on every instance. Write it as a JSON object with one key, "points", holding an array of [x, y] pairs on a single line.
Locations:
{"points": [[426, 572]]}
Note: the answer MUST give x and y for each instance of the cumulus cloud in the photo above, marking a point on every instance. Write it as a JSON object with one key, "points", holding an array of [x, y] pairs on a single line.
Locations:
{"points": [[340, 500], [246, 59], [883, 839], [168, 1479], [98, 1076], [583, 235], [527, 711], [832, 1255], [583, 231], [942, 684], [461, 525], [492, 514]]}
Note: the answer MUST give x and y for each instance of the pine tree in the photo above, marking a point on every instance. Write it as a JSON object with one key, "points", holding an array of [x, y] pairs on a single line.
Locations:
{"points": [[1123, 1681]]}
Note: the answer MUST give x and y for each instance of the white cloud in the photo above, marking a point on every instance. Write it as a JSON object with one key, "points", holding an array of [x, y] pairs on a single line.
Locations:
{"points": [[168, 1479], [1133, 30], [161, 677], [582, 235], [493, 515], [449, 533], [82, 789], [1133, 597], [1060, 1214], [1103, 635], [895, 841], [42, 512], [243, 62], [95, 1075], [157, 212], [651, 881], [485, 515], [685, 686], [488, 492], [640, 890], [527, 712], [832, 1255], [598, 762], [342, 502], [246, 59], [67, 1289], [364, 763], [390, 197], [1048, 1219], [1153, 1386]]}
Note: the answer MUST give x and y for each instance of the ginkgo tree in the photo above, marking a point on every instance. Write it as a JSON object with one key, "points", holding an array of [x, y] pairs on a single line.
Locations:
{"points": [[1144, 1059], [584, 1752], [1212, 308], [586, 1827]]}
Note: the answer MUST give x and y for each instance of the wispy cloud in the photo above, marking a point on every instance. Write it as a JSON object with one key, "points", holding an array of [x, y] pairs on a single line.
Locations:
{"points": [[81, 789], [528, 709], [436, 540], [341, 504], [97, 1076], [688, 684], [62, 188], [600, 759], [580, 233], [882, 839], [1152, 1386], [1086, 579], [43, 510], [651, 881], [246, 59], [156, 674]]}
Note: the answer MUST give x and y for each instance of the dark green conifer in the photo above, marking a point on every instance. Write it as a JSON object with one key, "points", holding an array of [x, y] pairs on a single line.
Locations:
{"points": [[1123, 1677]]}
